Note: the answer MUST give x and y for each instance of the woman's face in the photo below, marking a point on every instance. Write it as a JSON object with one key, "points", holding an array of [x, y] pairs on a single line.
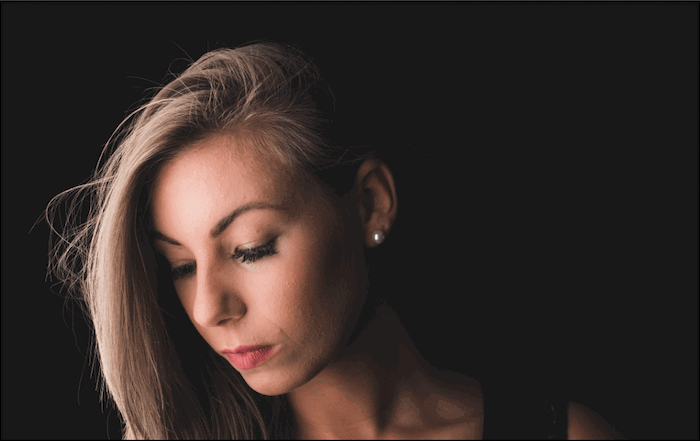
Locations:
{"points": [[275, 275]]}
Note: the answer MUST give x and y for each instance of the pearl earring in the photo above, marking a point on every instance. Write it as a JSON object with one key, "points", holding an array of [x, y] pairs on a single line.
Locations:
{"points": [[378, 237]]}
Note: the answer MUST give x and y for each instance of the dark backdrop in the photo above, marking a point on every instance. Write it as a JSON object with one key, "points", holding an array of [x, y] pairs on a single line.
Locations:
{"points": [[545, 155]]}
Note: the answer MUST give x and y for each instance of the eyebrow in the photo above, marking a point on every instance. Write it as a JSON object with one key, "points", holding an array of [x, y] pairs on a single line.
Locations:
{"points": [[225, 222]]}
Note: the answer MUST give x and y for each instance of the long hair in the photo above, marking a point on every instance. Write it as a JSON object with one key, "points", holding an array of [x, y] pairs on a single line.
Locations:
{"points": [[165, 380]]}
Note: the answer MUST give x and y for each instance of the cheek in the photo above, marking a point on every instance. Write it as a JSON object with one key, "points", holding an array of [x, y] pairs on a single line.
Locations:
{"points": [[316, 292]]}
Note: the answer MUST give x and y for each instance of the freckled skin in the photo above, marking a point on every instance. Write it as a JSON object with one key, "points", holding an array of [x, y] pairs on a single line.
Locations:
{"points": [[298, 299], [305, 299]]}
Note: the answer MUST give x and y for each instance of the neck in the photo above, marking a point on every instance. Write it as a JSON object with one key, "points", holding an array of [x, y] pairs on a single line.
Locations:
{"points": [[355, 396]]}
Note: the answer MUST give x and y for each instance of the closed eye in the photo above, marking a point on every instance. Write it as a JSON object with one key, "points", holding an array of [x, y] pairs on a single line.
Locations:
{"points": [[183, 271], [253, 254], [244, 255]]}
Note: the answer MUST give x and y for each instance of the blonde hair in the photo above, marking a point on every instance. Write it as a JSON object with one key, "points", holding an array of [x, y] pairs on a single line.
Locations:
{"points": [[164, 379]]}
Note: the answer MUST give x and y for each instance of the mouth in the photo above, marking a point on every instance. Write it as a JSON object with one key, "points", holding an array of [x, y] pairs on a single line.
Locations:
{"points": [[248, 357]]}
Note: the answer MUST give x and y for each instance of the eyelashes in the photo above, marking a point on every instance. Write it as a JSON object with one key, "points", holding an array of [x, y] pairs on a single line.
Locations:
{"points": [[182, 271], [253, 254], [245, 255]]}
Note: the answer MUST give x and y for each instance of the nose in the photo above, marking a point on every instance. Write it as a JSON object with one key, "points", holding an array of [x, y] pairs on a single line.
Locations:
{"points": [[216, 301]]}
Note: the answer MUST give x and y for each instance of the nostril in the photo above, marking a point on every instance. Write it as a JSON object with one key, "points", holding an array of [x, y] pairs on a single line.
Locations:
{"points": [[224, 321]]}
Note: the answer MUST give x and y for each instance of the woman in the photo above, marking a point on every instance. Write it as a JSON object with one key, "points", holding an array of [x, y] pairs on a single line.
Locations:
{"points": [[224, 267]]}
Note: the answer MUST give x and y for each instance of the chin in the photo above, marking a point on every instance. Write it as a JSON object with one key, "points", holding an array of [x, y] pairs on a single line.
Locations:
{"points": [[283, 380], [266, 383], [270, 390], [273, 383]]}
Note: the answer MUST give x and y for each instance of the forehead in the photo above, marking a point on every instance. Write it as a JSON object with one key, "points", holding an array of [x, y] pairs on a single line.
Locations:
{"points": [[212, 177]]}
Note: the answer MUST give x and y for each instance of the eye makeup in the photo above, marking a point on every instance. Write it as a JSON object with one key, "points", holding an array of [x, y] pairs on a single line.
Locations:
{"points": [[183, 271], [243, 255], [253, 254]]}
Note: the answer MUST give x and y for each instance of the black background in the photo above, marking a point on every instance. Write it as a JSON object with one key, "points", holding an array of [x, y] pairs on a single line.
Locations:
{"points": [[545, 156]]}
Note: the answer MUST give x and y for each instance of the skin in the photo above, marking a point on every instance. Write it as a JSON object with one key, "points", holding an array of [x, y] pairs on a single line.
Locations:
{"points": [[305, 299], [291, 299]]}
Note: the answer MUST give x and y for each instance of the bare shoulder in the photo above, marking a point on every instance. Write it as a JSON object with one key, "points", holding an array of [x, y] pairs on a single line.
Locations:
{"points": [[457, 405], [584, 423], [443, 405], [461, 390]]}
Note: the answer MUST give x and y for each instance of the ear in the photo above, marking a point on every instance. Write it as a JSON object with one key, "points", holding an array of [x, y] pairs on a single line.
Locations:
{"points": [[376, 204]]}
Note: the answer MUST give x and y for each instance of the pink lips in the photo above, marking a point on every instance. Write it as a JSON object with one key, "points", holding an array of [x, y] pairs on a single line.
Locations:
{"points": [[248, 357]]}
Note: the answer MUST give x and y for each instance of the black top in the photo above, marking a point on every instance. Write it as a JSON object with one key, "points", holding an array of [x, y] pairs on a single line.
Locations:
{"points": [[523, 411]]}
